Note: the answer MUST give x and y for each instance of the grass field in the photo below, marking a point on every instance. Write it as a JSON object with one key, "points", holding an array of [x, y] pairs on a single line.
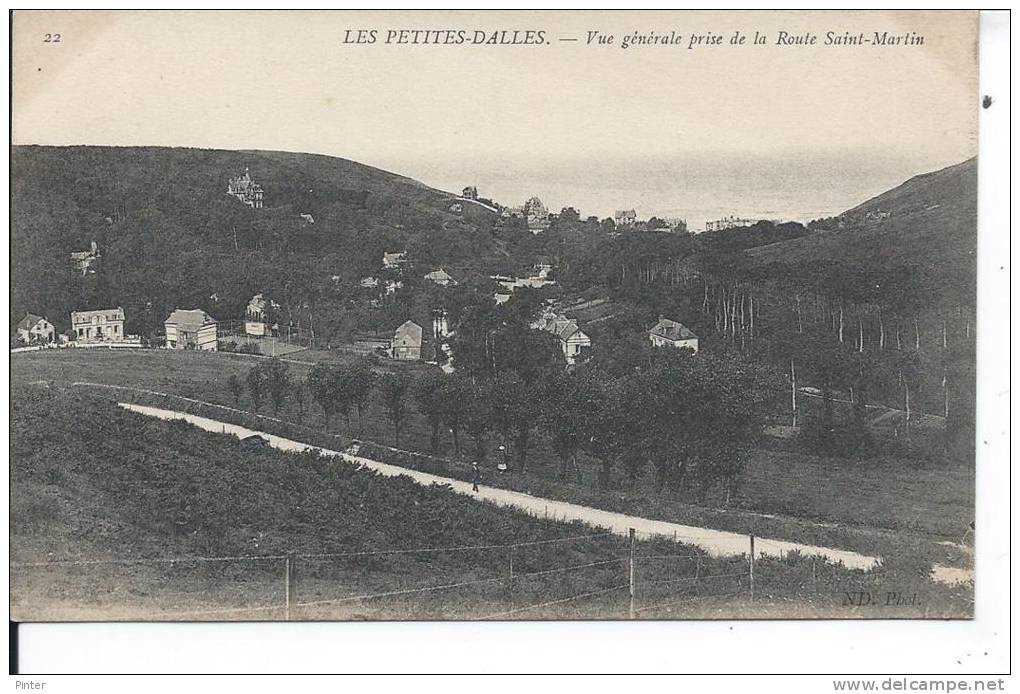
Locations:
{"points": [[103, 498], [875, 506]]}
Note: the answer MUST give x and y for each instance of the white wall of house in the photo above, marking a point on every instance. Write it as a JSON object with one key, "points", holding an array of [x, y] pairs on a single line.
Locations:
{"points": [[574, 345], [43, 331], [690, 343], [204, 339], [98, 326]]}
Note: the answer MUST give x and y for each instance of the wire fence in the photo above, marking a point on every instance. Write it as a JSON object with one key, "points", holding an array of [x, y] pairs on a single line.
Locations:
{"points": [[592, 576]]}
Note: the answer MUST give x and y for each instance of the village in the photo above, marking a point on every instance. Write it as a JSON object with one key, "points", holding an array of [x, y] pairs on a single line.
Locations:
{"points": [[259, 330], [533, 358]]}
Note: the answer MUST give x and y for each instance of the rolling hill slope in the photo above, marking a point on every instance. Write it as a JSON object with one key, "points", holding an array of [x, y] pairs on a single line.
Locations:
{"points": [[916, 243], [170, 236]]}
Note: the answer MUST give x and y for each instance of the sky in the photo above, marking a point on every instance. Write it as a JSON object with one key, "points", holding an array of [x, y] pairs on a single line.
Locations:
{"points": [[771, 131]]}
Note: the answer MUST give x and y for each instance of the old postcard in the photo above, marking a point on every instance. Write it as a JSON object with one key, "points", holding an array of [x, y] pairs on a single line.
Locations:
{"points": [[492, 315]]}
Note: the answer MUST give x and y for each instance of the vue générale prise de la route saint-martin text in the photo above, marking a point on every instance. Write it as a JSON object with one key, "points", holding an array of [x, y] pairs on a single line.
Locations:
{"points": [[600, 38]]}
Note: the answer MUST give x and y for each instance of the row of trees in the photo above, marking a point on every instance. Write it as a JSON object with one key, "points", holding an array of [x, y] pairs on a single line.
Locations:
{"points": [[685, 419]]}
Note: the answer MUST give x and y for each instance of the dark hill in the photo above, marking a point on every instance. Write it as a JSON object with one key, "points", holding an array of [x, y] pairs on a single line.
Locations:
{"points": [[169, 234], [914, 245]]}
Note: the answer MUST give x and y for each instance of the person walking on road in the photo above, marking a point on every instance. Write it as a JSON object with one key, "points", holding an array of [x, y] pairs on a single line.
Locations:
{"points": [[477, 477]]}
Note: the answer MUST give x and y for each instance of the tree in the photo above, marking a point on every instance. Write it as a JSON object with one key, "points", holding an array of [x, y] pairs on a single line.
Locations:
{"points": [[277, 382], [256, 380], [426, 389], [359, 382], [566, 402], [322, 384], [299, 398], [502, 406], [236, 388], [478, 416], [453, 400], [393, 389]]}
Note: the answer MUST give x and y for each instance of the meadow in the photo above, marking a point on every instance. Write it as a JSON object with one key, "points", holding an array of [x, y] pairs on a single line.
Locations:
{"points": [[880, 505], [118, 516]]}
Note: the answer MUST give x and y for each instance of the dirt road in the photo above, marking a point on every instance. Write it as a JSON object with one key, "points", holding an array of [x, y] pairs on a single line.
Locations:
{"points": [[715, 542]]}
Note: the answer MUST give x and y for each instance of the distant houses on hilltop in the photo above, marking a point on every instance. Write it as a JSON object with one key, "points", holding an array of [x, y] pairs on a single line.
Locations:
{"points": [[533, 212], [625, 218], [245, 189], [730, 222]]}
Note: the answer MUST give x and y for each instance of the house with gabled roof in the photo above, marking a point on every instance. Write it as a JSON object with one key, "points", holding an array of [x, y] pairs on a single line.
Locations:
{"points": [[407, 340], [573, 340], [103, 325], [670, 333], [441, 277], [191, 329], [33, 328]]}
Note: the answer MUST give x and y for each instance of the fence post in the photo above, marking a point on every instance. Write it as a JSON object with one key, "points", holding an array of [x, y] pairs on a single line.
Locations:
{"points": [[752, 567], [697, 575], [510, 583], [286, 586], [631, 581]]}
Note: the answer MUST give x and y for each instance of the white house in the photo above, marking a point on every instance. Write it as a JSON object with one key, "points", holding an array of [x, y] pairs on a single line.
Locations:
{"points": [[104, 325], [406, 344], [393, 261], [625, 218], [33, 328], [573, 340], [257, 315], [85, 261], [441, 277], [669, 333], [190, 329]]}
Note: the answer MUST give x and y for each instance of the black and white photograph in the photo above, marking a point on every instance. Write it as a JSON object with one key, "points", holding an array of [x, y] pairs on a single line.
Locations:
{"points": [[492, 316]]}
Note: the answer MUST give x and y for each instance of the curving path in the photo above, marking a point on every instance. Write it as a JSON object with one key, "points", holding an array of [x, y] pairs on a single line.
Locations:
{"points": [[715, 542]]}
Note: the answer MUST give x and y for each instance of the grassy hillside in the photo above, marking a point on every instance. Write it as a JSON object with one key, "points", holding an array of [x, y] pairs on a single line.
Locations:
{"points": [[921, 254], [120, 492], [874, 506], [170, 236]]}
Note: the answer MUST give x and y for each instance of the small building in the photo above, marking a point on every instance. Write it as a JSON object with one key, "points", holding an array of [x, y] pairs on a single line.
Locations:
{"points": [[104, 325], [245, 189], [307, 218], [470, 192], [536, 215], [373, 343], [190, 329], [625, 218], [456, 208], [729, 222], [407, 342], [669, 333], [368, 282], [395, 260], [86, 262], [257, 316], [573, 340], [33, 328], [393, 285], [441, 277]]}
